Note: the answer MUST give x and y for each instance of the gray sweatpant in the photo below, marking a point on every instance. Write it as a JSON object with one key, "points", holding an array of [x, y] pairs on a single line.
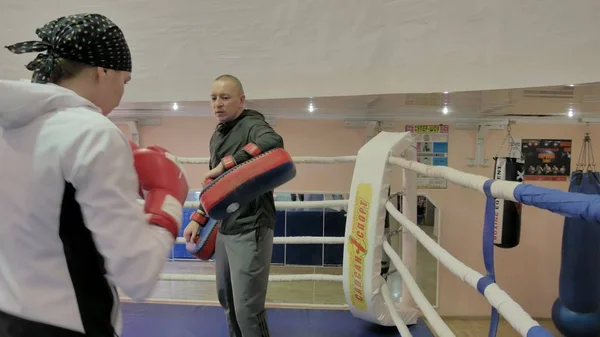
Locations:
{"points": [[242, 269]]}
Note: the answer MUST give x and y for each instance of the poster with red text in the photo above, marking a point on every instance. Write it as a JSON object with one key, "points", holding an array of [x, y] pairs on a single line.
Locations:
{"points": [[547, 159]]}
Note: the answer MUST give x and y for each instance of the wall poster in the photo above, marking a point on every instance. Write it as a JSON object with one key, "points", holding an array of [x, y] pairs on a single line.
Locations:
{"points": [[546, 159], [432, 149]]}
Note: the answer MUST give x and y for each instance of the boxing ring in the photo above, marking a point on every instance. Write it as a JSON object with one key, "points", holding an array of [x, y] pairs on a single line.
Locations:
{"points": [[371, 309]]}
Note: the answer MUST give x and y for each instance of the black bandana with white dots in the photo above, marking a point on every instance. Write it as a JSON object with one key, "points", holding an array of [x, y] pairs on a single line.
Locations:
{"points": [[90, 39]]}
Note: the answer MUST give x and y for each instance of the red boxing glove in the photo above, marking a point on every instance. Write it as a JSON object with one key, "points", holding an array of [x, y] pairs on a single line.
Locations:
{"points": [[160, 149], [133, 146], [165, 187]]}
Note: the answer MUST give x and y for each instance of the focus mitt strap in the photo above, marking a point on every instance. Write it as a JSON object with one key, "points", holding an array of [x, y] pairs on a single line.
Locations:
{"points": [[251, 149], [203, 246], [246, 182], [200, 217]]}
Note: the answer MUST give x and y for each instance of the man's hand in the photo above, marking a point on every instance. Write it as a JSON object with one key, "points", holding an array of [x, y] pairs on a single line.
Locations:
{"points": [[217, 171], [191, 231]]}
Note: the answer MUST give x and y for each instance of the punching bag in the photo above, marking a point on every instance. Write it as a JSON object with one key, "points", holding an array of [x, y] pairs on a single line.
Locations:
{"points": [[507, 217], [576, 312]]}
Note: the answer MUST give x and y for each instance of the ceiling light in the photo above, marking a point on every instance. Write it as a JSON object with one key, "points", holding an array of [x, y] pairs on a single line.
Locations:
{"points": [[571, 112], [445, 92], [311, 107], [175, 106], [445, 110], [571, 85]]}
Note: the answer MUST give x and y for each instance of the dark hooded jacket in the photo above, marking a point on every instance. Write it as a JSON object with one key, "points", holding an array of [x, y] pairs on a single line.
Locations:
{"points": [[229, 139]]}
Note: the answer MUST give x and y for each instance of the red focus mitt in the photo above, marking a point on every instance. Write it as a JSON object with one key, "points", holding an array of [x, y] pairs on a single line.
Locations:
{"points": [[200, 215], [203, 246], [245, 182]]}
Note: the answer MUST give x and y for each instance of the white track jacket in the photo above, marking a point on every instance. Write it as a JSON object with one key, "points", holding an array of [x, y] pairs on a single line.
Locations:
{"points": [[71, 230]]}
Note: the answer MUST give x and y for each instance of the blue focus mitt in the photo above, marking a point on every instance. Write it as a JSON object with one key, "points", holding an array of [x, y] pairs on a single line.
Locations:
{"points": [[203, 246]]}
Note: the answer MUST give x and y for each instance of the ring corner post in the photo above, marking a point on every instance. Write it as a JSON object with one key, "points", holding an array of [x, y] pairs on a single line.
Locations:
{"points": [[365, 229]]}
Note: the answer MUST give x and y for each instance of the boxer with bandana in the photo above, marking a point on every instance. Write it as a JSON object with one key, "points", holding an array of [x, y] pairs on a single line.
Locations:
{"points": [[72, 228]]}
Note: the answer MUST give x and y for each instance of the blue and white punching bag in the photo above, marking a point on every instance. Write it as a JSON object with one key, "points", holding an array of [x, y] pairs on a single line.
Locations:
{"points": [[576, 312]]}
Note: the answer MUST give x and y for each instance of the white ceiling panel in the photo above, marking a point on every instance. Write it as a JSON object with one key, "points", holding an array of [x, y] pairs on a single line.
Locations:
{"points": [[313, 48]]}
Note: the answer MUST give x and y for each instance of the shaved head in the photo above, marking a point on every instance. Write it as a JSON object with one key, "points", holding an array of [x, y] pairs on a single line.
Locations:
{"points": [[237, 84], [227, 97]]}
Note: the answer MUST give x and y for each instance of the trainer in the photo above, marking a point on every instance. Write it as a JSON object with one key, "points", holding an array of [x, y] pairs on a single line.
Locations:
{"points": [[245, 240], [71, 229]]}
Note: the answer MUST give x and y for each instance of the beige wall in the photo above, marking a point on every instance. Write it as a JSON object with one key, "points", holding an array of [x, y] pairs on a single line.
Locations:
{"points": [[529, 272]]}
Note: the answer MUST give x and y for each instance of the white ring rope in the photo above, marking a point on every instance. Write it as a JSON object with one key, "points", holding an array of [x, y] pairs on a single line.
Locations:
{"points": [[389, 302], [276, 240], [500, 189], [272, 278], [285, 204], [297, 160], [518, 318], [429, 312], [295, 204], [298, 240], [288, 205]]}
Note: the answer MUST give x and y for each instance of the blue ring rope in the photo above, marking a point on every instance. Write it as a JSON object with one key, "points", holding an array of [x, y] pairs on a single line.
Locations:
{"points": [[488, 254]]}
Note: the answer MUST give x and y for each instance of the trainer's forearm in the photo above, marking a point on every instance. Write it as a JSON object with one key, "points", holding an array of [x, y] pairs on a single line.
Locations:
{"points": [[263, 141]]}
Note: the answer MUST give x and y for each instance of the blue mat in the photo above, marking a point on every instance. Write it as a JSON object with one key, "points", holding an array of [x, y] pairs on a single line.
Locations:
{"points": [[161, 320]]}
